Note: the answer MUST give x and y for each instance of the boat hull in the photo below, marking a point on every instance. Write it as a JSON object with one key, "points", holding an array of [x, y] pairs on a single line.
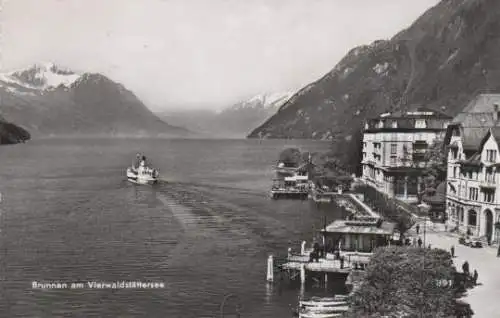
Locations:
{"points": [[323, 303], [319, 315]]}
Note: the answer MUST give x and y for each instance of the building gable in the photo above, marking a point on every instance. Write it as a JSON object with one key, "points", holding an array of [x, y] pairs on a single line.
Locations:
{"points": [[489, 143]]}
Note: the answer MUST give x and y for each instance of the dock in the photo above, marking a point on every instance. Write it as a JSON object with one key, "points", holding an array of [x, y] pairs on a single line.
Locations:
{"points": [[289, 194], [300, 264], [347, 247], [329, 264], [321, 196]]}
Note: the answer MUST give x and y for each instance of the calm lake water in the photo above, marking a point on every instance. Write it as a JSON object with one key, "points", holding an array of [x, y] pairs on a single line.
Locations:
{"points": [[68, 215]]}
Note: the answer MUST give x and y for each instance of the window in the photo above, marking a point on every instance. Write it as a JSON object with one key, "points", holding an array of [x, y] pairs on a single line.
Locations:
{"points": [[489, 196], [473, 194], [491, 155], [393, 161], [454, 172], [420, 123], [490, 176], [394, 148], [472, 218]]}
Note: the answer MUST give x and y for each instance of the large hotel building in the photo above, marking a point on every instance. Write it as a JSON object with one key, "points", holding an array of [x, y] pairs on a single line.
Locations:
{"points": [[394, 148]]}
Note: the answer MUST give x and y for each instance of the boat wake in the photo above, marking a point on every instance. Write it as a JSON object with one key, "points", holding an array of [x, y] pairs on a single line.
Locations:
{"points": [[182, 214]]}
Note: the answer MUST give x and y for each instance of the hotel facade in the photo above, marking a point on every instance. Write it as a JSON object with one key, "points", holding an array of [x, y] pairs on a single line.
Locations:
{"points": [[473, 171], [394, 150]]}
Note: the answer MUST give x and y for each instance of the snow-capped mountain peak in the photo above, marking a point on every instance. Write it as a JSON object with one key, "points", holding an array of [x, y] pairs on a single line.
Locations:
{"points": [[266, 100], [41, 76]]}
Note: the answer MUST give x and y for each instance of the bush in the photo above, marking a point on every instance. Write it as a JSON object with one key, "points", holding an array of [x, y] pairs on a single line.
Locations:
{"points": [[407, 282]]}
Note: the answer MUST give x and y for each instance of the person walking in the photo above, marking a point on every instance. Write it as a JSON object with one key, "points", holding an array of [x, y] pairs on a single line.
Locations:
{"points": [[475, 277], [452, 250], [465, 267], [417, 228], [419, 242]]}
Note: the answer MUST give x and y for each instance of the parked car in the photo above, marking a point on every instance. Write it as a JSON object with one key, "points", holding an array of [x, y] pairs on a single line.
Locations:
{"points": [[474, 242]]}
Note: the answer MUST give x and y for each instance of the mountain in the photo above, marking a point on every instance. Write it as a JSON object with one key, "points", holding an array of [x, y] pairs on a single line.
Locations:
{"points": [[48, 100], [440, 61], [12, 134], [235, 121]]}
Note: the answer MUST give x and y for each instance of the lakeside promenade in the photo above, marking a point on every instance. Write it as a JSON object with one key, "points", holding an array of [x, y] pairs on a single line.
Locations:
{"points": [[484, 297]]}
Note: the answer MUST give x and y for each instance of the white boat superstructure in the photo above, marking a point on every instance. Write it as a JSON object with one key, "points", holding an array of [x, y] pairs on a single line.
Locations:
{"points": [[141, 173]]}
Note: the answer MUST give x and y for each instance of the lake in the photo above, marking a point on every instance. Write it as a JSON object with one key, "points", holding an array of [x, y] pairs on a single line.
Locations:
{"points": [[68, 215]]}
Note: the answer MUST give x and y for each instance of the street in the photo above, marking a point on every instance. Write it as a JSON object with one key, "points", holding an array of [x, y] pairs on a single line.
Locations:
{"points": [[483, 298]]}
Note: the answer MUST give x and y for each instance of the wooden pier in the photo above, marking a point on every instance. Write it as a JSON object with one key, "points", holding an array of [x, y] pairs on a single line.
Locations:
{"points": [[289, 194]]}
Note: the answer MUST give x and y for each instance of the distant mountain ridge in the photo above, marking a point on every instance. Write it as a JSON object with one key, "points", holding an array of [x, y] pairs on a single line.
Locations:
{"points": [[11, 133], [235, 121], [442, 60], [49, 100]]}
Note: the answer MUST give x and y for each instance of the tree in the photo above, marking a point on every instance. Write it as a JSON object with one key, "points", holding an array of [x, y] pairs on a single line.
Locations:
{"points": [[290, 157], [388, 208], [432, 166], [407, 282]]}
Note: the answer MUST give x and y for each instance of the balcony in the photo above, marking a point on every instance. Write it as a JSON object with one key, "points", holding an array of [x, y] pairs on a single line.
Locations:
{"points": [[489, 184]]}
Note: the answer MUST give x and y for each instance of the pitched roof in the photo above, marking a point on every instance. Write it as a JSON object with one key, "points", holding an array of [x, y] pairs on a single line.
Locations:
{"points": [[474, 160], [496, 132], [482, 103], [472, 136], [476, 119]]}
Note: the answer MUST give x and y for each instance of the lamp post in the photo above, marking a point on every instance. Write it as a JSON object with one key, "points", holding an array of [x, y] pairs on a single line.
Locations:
{"points": [[424, 209]]}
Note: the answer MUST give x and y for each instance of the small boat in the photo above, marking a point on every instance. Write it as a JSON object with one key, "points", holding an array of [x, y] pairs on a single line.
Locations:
{"points": [[338, 300], [331, 306], [319, 315], [141, 173], [325, 309]]}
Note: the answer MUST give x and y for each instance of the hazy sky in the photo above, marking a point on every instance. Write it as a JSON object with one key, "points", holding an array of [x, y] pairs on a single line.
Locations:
{"points": [[198, 53]]}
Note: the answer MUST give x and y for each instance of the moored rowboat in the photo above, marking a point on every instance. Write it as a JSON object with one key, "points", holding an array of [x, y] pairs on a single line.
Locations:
{"points": [[319, 315], [325, 301]]}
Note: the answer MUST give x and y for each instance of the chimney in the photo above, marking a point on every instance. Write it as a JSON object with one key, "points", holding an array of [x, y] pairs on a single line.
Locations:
{"points": [[496, 112]]}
